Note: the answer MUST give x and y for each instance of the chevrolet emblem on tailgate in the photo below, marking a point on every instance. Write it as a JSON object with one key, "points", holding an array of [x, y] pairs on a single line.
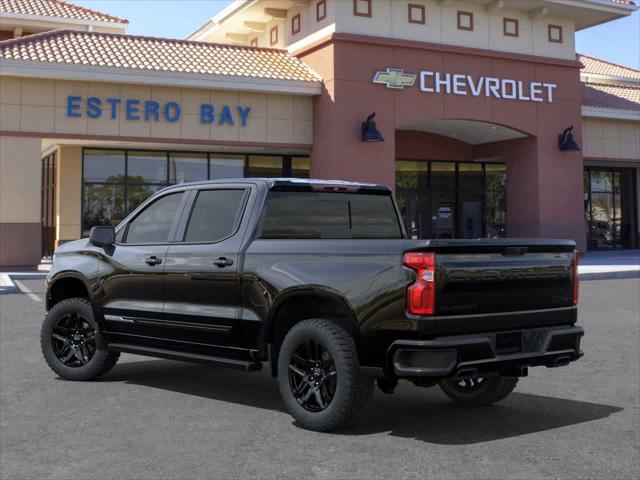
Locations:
{"points": [[395, 78]]}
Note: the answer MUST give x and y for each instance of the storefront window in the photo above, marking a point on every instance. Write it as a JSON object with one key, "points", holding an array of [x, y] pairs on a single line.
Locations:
{"points": [[300, 167], [412, 195], [264, 166], [147, 167], [187, 167], [451, 199], [495, 203], [115, 182], [610, 207], [226, 166], [470, 190], [103, 205], [103, 166], [443, 199]]}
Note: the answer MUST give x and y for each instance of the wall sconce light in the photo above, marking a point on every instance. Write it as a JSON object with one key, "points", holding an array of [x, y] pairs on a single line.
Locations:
{"points": [[369, 131], [566, 143]]}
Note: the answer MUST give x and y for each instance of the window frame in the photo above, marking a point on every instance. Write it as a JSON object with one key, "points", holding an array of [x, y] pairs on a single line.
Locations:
{"points": [[462, 13], [367, 14], [273, 41], [420, 8], [140, 210], [322, 4], [296, 23], [183, 225], [551, 27], [286, 162], [515, 22]]}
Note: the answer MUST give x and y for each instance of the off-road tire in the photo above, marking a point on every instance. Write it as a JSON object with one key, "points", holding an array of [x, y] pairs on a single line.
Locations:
{"points": [[102, 360], [492, 390], [353, 389]]}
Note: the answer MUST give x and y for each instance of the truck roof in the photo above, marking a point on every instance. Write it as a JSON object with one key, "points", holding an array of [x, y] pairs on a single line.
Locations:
{"points": [[297, 184]]}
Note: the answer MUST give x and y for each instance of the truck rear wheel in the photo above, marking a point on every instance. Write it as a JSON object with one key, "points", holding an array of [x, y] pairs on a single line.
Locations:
{"points": [[72, 343], [319, 376], [477, 391]]}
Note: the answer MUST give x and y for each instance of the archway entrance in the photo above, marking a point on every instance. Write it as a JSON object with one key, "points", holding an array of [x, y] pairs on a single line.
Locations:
{"points": [[446, 186]]}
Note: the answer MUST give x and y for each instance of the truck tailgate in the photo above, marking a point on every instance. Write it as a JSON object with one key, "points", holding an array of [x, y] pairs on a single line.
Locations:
{"points": [[478, 277]]}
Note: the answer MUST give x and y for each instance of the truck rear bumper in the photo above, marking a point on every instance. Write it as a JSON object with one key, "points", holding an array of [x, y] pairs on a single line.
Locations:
{"points": [[485, 352]]}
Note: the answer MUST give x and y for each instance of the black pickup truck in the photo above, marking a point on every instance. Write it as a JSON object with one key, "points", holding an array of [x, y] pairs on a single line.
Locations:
{"points": [[319, 279]]}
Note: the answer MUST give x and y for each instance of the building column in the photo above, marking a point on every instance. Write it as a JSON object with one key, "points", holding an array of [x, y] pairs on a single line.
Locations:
{"points": [[20, 227], [68, 194]]}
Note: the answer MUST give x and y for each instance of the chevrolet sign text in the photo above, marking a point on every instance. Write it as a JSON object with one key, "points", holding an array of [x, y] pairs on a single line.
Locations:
{"points": [[459, 84]]}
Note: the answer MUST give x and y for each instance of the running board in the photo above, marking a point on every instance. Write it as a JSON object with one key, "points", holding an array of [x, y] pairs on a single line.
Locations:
{"points": [[246, 365]]}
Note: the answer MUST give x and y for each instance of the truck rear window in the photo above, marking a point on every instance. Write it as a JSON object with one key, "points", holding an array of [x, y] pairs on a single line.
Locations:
{"points": [[329, 215]]}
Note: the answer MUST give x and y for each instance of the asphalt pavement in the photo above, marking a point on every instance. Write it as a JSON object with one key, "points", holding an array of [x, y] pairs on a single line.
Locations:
{"points": [[152, 419]]}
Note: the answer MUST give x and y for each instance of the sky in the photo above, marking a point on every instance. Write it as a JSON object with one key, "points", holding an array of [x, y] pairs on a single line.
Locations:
{"points": [[617, 42]]}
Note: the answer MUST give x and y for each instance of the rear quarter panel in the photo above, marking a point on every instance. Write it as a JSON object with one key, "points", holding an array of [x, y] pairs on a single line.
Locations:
{"points": [[366, 274]]}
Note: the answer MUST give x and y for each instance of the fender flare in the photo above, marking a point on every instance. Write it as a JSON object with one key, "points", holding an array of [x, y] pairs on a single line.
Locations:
{"points": [[318, 291], [63, 275]]}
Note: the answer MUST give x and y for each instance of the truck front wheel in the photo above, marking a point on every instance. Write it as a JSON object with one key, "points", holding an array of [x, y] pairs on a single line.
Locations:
{"points": [[72, 343], [477, 391], [319, 376]]}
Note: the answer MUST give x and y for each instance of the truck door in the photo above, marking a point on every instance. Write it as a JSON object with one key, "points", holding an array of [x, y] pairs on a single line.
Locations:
{"points": [[202, 272], [132, 291]]}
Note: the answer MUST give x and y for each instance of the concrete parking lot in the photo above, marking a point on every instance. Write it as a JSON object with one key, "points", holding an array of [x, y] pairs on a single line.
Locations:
{"points": [[159, 419]]}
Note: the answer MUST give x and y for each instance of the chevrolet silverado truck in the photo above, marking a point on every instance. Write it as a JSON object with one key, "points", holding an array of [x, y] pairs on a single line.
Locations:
{"points": [[318, 280]]}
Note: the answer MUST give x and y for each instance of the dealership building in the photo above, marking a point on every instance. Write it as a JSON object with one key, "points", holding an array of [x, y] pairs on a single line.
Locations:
{"points": [[487, 122]]}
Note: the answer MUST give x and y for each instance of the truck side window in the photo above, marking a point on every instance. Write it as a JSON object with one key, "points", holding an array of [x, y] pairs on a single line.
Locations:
{"points": [[153, 225], [328, 215], [215, 215]]}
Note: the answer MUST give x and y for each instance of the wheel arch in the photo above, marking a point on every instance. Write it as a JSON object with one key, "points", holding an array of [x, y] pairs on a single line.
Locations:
{"points": [[296, 305], [67, 285]]}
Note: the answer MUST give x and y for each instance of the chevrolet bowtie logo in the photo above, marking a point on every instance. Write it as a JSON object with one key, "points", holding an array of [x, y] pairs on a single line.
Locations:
{"points": [[395, 78]]}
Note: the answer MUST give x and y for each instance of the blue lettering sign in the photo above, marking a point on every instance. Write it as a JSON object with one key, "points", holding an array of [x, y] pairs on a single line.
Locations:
{"points": [[207, 114], [244, 113], [225, 116], [94, 110], [172, 112], [73, 103], [153, 111], [114, 106], [132, 109]]}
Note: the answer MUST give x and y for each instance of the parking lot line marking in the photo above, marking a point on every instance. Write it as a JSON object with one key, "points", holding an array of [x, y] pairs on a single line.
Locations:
{"points": [[28, 292]]}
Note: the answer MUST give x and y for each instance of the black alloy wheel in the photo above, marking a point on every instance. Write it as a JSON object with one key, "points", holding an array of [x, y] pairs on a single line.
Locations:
{"points": [[312, 376], [73, 339]]}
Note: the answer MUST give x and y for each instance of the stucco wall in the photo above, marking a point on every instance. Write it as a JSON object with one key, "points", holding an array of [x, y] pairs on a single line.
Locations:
{"points": [[389, 18], [19, 200], [611, 139], [40, 106]]}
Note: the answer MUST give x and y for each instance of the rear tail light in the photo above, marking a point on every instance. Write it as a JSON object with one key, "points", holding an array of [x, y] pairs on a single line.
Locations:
{"points": [[421, 294], [576, 282]]}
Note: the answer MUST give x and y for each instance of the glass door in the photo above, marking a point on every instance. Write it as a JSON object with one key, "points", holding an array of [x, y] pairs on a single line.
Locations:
{"points": [[610, 209], [47, 205]]}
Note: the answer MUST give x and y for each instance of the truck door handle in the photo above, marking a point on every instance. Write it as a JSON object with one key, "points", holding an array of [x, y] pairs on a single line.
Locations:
{"points": [[153, 260], [223, 262]]}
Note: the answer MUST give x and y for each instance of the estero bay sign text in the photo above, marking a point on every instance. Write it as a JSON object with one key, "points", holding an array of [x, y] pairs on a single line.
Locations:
{"points": [[153, 111]]}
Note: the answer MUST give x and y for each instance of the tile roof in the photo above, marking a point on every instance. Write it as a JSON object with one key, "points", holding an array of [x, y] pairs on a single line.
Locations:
{"points": [[611, 96], [602, 67], [56, 8], [155, 54]]}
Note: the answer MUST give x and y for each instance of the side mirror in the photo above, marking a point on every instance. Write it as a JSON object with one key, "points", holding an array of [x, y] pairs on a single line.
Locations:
{"points": [[103, 237]]}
